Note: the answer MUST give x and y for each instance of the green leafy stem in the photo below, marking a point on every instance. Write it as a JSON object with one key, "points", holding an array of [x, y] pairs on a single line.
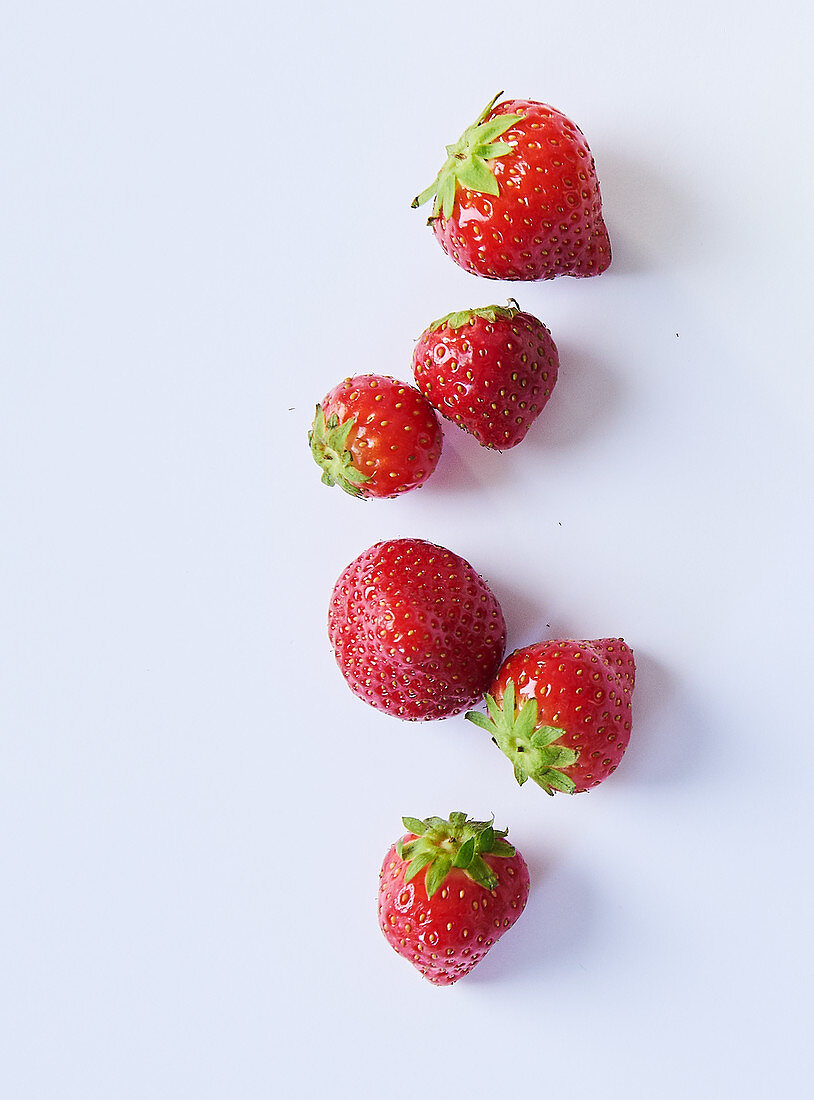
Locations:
{"points": [[464, 316], [458, 842], [467, 163], [532, 749], [328, 440]]}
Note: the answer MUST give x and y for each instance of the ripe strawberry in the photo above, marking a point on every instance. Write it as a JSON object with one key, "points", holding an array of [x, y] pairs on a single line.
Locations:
{"points": [[448, 891], [561, 712], [375, 437], [526, 206], [416, 632], [489, 370]]}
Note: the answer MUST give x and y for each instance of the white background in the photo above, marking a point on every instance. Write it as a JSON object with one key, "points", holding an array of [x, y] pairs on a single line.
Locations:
{"points": [[205, 224]]}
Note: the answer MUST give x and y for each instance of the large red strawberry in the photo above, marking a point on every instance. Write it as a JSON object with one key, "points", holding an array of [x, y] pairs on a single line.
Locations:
{"points": [[518, 197], [448, 891], [375, 437], [560, 711], [415, 631], [490, 370]]}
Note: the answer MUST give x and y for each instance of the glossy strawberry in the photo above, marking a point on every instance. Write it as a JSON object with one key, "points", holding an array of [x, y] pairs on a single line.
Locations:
{"points": [[416, 632], [561, 712], [490, 370], [375, 437], [518, 197], [448, 891]]}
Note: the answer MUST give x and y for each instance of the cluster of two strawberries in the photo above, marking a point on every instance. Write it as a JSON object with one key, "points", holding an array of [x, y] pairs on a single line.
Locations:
{"points": [[489, 370], [416, 631]]}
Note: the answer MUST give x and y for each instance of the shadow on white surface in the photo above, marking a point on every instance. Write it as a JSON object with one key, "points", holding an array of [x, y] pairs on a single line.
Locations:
{"points": [[651, 222], [554, 932], [583, 405], [670, 742], [527, 619], [465, 466]]}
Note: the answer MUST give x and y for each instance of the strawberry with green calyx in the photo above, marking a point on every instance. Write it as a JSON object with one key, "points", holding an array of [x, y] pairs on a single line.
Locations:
{"points": [[561, 712], [518, 197], [374, 436], [448, 891], [489, 370]]}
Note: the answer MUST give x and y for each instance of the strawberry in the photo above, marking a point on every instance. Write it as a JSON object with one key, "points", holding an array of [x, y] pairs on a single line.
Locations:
{"points": [[448, 891], [518, 197], [489, 370], [560, 711], [375, 437], [416, 632]]}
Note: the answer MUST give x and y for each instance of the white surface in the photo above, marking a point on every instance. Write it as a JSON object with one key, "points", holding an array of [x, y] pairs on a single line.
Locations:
{"points": [[205, 225]]}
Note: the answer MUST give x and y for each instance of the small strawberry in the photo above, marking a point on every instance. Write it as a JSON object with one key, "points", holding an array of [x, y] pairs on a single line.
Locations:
{"points": [[415, 631], [490, 370], [518, 197], [560, 711], [448, 891], [375, 437]]}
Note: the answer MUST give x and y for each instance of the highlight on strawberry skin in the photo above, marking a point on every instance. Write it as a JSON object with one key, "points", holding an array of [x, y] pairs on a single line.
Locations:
{"points": [[449, 889], [374, 436], [490, 370], [518, 196], [561, 712]]}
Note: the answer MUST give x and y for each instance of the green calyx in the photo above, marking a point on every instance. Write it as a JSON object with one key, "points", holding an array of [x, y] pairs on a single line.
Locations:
{"points": [[458, 842], [467, 163], [467, 316], [328, 440], [532, 749]]}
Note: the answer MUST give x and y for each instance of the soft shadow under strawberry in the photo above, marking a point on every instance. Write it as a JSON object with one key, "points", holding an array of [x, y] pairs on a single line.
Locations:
{"points": [[650, 221], [555, 934], [466, 467], [583, 405], [671, 740]]}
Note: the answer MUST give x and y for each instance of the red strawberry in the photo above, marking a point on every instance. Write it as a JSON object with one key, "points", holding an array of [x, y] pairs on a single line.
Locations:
{"points": [[415, 631], [489, 370], [561, 712], [526, 206], [448, 891], [375, 437]]}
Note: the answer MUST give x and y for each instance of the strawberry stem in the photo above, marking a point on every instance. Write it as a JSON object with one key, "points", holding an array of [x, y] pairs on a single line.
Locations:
{"points": [[468, 160], [531, 747], [328, 441], [467, 316], [440, 845]]}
